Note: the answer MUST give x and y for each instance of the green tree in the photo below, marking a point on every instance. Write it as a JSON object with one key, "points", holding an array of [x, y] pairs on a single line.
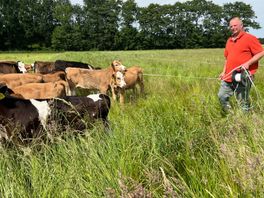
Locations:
{"points": [[101, 23], [128, 34], [242, 10], [36, 18], [207, 24], [12, 33], [117, 24], [65, 36], [153, 26]]}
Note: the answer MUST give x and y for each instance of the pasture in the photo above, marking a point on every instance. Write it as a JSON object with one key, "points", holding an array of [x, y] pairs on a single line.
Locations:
{"points": [[173, 142]]}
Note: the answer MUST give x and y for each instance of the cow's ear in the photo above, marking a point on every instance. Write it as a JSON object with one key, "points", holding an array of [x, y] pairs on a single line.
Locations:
{"points": [[113, 67]]}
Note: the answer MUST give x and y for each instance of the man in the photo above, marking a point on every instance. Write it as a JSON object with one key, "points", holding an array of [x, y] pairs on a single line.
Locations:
{"points": [[242, 53]]}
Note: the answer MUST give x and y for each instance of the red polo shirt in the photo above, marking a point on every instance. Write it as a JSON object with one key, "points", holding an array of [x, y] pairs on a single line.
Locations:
{"points": [[240, 51]]}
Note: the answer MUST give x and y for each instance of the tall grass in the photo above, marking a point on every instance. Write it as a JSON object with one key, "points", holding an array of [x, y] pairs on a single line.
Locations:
{"points": [[172, 143]]}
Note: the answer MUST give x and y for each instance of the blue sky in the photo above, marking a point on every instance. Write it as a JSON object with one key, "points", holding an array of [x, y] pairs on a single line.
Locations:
{"points": [[257, 6]]}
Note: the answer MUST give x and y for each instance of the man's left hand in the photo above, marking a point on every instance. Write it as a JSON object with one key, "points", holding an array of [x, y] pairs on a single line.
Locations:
{"points": [[245, 66]]}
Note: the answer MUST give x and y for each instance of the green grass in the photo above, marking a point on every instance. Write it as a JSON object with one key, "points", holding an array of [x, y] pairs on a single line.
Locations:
{"points": [[172, 143]]}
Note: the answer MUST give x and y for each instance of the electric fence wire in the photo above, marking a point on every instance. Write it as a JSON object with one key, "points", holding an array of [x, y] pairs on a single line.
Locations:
{"points": [[259, 98]]}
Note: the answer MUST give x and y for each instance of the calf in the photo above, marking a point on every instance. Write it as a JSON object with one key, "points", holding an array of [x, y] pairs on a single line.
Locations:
{"points": [[133, 76], [71, 110], [7, 67], [94, 79], [42, 90]]}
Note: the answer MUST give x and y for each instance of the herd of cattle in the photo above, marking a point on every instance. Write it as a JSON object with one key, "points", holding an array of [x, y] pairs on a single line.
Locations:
{"points": [[34, 95]]}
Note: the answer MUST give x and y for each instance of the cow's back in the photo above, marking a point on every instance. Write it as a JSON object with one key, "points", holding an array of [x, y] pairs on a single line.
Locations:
{"points": [[7, 67], [42, 90], [71, 109], [61, 65], [54, 76], [89, 79], [14, 80], [44, 67]]}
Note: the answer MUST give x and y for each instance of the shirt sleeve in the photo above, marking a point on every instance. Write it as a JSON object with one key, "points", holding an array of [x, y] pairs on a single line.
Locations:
{"points": [[255, 46]]}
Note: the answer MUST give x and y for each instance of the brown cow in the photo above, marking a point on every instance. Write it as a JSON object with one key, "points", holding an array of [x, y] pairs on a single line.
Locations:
{"points": [[133, 76], [94, 79], [14, 80], [43, 67], [42, 90], [90, 79]]}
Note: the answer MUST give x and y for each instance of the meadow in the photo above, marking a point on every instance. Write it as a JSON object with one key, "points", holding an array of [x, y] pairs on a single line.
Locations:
{"points": [[174, 142]]}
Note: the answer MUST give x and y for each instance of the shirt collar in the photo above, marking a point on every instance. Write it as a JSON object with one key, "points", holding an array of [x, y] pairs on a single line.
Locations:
{"points": [[238, 36]]}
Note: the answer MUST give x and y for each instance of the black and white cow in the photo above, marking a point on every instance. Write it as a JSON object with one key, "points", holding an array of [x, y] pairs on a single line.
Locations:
{"points": [[7, 67], [71, 110], [22, 120], [61, 65]]}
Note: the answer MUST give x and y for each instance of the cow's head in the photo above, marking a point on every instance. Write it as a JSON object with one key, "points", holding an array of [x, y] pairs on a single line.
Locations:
{"points": [[28, 67], [118, 66], [118, 79], [21, 66]]}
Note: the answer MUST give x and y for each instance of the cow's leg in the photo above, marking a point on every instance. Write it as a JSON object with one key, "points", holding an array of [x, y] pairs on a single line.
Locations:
{"points": [[122, 96], [3, 134], [68, 90], [141, 84], [71, 88], [113, 93]]}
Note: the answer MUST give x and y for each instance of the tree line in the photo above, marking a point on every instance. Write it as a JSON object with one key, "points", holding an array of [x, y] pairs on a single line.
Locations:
{"points": [[117, 24]]}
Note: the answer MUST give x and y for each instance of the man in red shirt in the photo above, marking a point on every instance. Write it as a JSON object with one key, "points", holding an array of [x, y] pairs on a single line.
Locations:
{"points": [[242, 53]]}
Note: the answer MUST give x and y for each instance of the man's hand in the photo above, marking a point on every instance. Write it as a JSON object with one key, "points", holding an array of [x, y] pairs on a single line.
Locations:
{"points": [[245, 66], [220, 77]]}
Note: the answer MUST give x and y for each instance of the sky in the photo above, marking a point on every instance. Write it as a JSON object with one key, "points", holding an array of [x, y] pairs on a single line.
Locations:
{"points": [[257, 6]]}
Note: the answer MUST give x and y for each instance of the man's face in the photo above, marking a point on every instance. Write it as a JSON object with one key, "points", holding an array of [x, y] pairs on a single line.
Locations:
{"points": [[235, 26]]}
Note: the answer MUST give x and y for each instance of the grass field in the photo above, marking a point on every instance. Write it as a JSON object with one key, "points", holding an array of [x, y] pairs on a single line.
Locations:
{"points": [[172, 143]]}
